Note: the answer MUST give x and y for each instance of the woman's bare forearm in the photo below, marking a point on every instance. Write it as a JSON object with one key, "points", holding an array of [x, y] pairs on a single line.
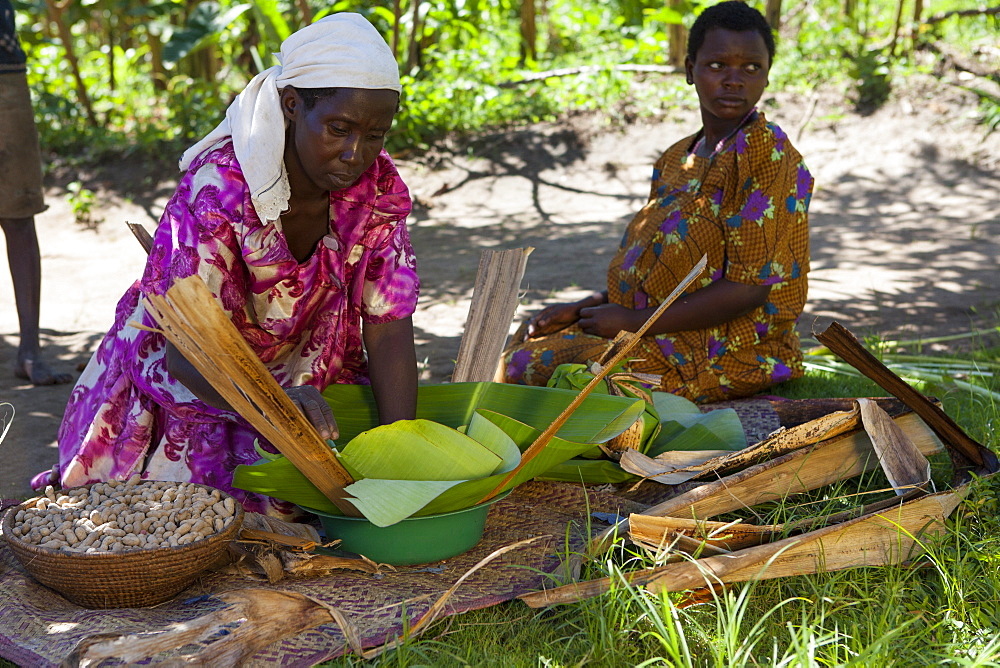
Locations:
{"points": [[392, 368], [183, 371], [713, 305]]}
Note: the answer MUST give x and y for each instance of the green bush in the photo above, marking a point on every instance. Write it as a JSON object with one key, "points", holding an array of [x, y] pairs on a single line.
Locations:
{"points": [[159, 75]]}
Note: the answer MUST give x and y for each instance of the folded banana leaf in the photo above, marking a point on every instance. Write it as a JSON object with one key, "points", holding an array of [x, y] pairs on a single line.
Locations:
{"points": [[670, 423], [410, 467], [598, 420], [420, 450], [397, 480], [684, 427], [578, 376]]}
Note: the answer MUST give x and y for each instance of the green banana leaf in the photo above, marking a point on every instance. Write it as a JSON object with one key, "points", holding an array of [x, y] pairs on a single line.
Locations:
{"points": [[417, 450], [403, 466], [385, 502], [685, 427], [667, 404], [280, 479], [578, 376], [600, 418], [472, 492], [588, 471]]}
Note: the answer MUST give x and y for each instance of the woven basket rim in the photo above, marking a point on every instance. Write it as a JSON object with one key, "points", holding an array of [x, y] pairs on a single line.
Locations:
{"points": [[16, 541]]}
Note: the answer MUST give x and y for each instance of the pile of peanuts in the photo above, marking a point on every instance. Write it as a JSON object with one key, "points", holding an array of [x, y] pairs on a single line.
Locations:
{"points": [[124, 515]]}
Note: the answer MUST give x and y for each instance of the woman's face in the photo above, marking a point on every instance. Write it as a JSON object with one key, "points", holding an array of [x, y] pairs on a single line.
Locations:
{"points": [[730, 74], [339, 138]]}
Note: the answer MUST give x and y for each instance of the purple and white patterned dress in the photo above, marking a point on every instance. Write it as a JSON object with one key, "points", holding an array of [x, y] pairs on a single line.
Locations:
{"points": [[127, 414]]}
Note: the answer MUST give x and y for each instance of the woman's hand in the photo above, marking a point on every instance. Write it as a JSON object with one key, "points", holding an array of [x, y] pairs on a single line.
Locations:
{"points": [[310, 401], [607, 320], [553, 318]]}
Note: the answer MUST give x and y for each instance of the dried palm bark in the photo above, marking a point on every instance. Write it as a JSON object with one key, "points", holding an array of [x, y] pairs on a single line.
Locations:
{"points": [[878, 539], [886, 532], [905, 466], [875, 539], [967, 455], [494, 301], [845, 456], [193, 322], [782, 441]]}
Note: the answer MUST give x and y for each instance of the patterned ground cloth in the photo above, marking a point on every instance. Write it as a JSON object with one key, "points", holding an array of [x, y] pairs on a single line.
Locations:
{"points": [[757, 416], [40, 628]]}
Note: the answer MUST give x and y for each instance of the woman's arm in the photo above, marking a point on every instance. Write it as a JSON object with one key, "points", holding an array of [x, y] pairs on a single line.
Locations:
{"points": [[560, 316], [713, 305], [307, 398], [392, 367], [184, 372]]}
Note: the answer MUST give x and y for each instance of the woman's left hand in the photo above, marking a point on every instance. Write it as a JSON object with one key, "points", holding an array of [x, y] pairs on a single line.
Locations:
{"points": [[607, 320], [312, 404]]}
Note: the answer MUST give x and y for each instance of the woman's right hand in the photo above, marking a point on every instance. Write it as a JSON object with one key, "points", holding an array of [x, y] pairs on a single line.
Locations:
{"points": [[552, 319], [560, 316], [310, 401]]}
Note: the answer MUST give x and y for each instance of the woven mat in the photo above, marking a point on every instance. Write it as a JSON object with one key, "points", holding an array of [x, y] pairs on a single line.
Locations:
{"points": [[40, 628], [757, 416]]}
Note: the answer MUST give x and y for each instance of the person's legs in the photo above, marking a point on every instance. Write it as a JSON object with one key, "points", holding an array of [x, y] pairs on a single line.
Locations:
{"points": [[25, 271], [21, 198]]}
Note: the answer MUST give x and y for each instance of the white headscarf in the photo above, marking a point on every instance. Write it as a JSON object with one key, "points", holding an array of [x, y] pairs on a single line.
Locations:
{"points": [[338, 51]]}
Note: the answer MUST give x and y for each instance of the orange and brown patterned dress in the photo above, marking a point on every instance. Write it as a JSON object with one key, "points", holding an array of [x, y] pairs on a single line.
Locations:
{"points": [[746, 208]]}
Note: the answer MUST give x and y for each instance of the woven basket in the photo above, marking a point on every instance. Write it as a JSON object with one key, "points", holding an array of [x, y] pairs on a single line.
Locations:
{"points": [[631, 437], [129, 579]]}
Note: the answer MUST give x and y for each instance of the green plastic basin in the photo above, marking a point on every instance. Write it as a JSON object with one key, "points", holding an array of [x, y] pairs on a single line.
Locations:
{"points": [[415, 540]]}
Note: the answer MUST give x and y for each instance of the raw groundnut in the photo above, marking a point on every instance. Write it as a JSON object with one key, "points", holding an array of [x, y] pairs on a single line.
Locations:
{"points": [[124, 515]]}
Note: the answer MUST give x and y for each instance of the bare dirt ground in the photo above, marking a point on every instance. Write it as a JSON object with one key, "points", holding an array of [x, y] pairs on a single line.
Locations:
{"points": [[905, 232]]}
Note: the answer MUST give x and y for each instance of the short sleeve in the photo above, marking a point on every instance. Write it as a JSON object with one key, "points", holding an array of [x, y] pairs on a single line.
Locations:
{"points": [[765, 211], [199, 234], [391, 285]]}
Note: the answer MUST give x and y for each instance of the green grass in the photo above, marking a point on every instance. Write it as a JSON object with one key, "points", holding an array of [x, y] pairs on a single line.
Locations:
{"points": [[943, 611]]}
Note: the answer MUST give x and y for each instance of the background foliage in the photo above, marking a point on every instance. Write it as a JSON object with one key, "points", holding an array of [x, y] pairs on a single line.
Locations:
{"points": [[149, 76], [126, 75]]}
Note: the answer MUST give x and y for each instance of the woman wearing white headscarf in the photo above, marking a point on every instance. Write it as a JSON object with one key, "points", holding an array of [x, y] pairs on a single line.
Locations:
{"points": [[294, 215]]}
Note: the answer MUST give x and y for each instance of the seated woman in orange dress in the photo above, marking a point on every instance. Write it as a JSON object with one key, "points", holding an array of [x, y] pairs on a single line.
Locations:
{"points": [[736, 191]]}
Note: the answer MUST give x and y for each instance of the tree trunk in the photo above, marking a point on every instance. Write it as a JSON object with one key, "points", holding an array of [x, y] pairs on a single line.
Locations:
{"points": [[111, 49], [677, 37], [413, 54], [397, 13], [850, 9], [897, 27], [529, 34], [156, 58], [918, 10], [772, 12], [56, 15], [305, 10]]}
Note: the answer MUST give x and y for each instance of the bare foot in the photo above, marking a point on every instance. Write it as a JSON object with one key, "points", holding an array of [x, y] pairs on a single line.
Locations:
{"points": [[39, 373]]}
